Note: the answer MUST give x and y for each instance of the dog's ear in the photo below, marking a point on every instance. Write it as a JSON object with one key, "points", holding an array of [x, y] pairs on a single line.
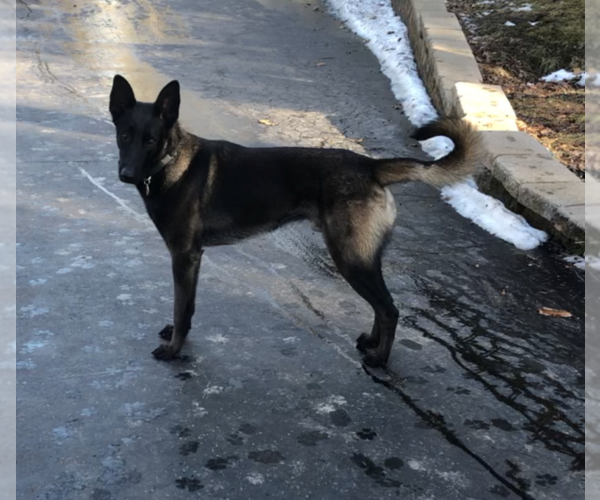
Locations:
{"points": [[167, 104], [121, 97]]}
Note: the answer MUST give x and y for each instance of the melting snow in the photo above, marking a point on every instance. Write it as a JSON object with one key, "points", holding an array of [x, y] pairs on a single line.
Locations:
{"points": [[387, 37]]}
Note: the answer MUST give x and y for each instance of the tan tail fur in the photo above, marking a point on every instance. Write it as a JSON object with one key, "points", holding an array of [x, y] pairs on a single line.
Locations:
{"points": [[461, 162]]}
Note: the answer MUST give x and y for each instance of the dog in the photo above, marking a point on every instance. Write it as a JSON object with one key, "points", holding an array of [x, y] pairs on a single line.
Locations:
{"points": [[201, 193]]}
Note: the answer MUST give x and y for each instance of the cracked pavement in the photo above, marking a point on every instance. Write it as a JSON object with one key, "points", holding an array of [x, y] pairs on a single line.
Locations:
{"points": [[483, 397]]}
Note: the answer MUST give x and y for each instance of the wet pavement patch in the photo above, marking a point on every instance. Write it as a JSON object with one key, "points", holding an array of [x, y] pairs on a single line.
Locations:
{"points": [[235, 439], [189, 483], [180, 431], [476, 424], [411, 344], [189, 448], [100, 494], [266, 456], [458, 390], [546, 479], [340, 418], [393, 463], [366, 434], [374, 471], [289, 351], [505, 425], [247, 429], [311, 438], [531, 366], [220, 463], [435, 369]]}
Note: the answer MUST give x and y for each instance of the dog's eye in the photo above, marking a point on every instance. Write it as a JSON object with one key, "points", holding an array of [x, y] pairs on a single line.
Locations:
{"points": [[124, 136], [150, 142]]}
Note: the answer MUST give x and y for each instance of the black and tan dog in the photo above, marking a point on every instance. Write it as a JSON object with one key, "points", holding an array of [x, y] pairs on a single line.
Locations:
{"points": [[202, 193]]}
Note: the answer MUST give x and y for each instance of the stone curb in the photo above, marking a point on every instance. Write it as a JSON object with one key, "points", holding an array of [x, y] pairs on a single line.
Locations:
{"points": [[518, 169]]}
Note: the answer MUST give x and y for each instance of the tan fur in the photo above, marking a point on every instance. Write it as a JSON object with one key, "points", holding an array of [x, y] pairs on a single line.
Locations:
{"points": [[358, 229], [456, 166], [210, 180]]}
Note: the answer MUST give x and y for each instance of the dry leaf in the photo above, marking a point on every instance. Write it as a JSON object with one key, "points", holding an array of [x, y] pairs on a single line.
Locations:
{"points": [[266, 121], [548, 311], [319, 64]]}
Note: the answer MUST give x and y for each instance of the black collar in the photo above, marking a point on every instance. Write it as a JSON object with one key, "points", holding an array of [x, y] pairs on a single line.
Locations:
{"points": [[161, 165]]}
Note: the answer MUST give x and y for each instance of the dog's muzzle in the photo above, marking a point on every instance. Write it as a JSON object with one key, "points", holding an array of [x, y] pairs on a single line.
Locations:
{"points": [[126, 175]]}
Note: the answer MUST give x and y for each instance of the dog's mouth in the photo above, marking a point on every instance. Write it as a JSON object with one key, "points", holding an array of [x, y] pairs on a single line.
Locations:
{"points": [[127, 179]]}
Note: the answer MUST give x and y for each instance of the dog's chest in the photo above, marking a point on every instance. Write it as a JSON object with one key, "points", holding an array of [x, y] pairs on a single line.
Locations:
{"points": [[178, 223]]}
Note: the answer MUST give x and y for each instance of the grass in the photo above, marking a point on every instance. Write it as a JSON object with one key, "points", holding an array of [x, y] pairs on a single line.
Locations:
{"points": [[545, 36]]}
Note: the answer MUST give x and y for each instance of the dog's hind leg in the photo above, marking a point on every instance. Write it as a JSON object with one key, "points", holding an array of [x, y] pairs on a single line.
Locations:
{"points": [[186, 268], [369, 284], [355, 235]]}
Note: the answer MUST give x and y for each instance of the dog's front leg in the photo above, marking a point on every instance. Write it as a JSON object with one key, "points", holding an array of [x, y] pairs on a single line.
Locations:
{"points": [[186, 268]]}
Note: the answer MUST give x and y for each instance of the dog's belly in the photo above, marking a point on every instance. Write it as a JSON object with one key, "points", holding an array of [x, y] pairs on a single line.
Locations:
{"points": [[223, 231], [214, 238]]}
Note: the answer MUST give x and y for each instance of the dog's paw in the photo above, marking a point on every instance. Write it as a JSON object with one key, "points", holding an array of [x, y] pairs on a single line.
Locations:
{"points": [[164, 353], [374, 361], [166, 333], [365, 342]]}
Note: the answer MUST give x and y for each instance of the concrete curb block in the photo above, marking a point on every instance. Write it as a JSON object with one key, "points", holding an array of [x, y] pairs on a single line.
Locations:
{"points": [[519, 170]]}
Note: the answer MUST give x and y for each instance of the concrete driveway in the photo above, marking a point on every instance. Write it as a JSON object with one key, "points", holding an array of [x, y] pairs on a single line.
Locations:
{"points": [[483, 397]]}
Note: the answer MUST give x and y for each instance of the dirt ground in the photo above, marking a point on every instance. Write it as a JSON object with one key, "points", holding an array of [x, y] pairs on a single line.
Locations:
{"points": [[515, 44]]}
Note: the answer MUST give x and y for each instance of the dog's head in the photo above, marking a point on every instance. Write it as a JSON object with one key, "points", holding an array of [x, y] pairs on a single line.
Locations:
{"points": [[142, 128]]}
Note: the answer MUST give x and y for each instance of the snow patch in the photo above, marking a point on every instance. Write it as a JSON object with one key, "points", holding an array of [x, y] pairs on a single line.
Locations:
{"points": [[576, 260], [218, 338], [325, 408], [562, 75], [491, 215], [212, 389], [198, 410], [32, 345], [509, 23], [255, 478], [414, 465], [524, 8], [437, 147], [330, 405], [387, 37], [31, 311]]}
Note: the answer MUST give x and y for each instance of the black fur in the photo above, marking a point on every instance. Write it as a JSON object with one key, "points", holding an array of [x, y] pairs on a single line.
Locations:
{"points": [[202, 193]]}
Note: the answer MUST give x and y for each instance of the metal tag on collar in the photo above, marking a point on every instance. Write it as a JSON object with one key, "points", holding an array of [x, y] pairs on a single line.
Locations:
{"points": [[166, 159], [147, 184]]}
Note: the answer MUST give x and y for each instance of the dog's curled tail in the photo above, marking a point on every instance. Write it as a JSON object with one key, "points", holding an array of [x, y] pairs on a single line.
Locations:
{"points": [[461, 162]]}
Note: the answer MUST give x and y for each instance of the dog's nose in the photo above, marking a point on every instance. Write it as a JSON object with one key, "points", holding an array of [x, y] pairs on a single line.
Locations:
{"points": [[126, 177]]}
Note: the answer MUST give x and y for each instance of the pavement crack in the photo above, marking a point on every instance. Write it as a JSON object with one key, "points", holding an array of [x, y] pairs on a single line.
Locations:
{"points": [[49, 77], [436, 421], [29, 11], [306, 301]]}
